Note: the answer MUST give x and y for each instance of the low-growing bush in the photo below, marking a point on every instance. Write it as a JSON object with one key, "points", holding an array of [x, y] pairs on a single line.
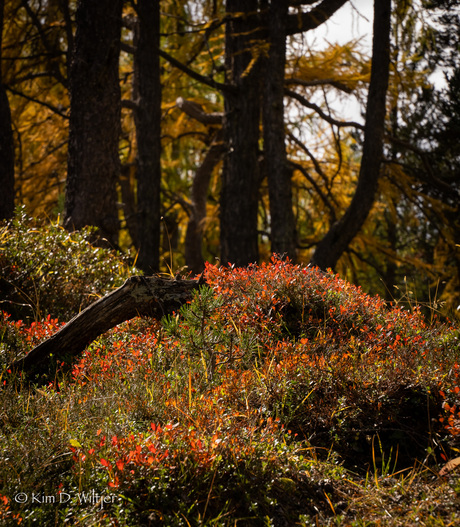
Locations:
{"points": [[279, 395], [45, 270]]}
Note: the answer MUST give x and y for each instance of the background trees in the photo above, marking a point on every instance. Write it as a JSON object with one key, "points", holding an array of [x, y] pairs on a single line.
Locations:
{"points": [[244, 116], [343, 231], [6, 142]]}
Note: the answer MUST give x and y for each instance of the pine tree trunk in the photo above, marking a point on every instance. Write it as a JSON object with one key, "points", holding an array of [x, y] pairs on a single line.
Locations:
{"points": [[199, 194], [342, 233], [282, 221]]}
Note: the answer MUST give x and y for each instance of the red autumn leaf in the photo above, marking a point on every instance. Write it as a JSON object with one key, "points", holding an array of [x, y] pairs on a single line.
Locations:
{"points": [[104, 462], [115, 483]]}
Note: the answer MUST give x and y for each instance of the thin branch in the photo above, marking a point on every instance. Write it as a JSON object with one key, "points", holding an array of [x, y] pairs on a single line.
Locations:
{"points": [[31, 76], [129, 104], [319, 82], [367, 261], [36, 101], [324, 198], [127, 48], [36, 22], [296, 3], [195, 75], [338, 143], [423, 156], [315, 162], [303, 101]]}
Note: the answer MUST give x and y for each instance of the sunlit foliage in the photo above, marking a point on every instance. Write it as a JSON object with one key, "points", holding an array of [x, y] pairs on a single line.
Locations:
{"points": [[279, 393], [47, 270]]}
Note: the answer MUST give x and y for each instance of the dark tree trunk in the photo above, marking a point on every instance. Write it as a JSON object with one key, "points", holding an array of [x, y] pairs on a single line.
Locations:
{"points": [[199, 193], [240, 177], [6, 143], [147, 94], [200, 185], [94, 125], [283, 235], [138, 296], [342, 233], [128, 197]]}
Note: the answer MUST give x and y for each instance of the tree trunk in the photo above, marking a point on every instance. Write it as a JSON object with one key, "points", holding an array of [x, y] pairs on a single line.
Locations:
{"points": [[139, 295], [342, 233], [94, 125], [6, 143], [200, 185], [147, 116], [282, 221], [199, 194], [240, 177]]}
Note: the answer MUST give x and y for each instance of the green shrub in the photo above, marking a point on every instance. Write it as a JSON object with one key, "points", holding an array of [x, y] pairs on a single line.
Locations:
{"points": [[46, 270]]}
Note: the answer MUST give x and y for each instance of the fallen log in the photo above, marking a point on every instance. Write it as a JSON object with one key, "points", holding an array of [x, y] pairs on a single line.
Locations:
{"points": [[139, 296]]}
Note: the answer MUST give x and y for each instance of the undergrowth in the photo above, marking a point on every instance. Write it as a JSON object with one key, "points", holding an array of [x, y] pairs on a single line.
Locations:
{"points": [[45, 270], [280, 395]]}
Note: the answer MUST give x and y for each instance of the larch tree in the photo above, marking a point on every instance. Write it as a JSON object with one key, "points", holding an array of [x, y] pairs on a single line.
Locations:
{"points": [[337, 239], [6, 142], [94, 126], [35, 41]]}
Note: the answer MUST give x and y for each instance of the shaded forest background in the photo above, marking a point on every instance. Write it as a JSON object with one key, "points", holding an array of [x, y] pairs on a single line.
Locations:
{"points": [[195, 130]]}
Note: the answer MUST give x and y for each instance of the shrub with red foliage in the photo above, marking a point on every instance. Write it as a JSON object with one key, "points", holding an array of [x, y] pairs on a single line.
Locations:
{"points": [[264, 363]]}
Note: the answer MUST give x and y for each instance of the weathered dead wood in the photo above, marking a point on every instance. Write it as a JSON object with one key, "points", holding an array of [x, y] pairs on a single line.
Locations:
{"points": [[138, 296]]}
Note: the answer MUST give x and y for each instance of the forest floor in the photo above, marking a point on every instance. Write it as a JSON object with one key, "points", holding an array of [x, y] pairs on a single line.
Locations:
{"points": [[279, 396]]}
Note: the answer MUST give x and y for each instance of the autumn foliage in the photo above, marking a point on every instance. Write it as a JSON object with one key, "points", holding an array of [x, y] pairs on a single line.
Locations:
{"points": [[275, 393]]}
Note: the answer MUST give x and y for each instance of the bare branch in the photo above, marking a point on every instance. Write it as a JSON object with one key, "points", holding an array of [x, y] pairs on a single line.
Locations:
{"points": [[129, 104], [303, 101], [127, 48], [324, 198], [196, 111], [319, 82], [54, 109], [195, 75], [314, 18], [36, 21]]}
